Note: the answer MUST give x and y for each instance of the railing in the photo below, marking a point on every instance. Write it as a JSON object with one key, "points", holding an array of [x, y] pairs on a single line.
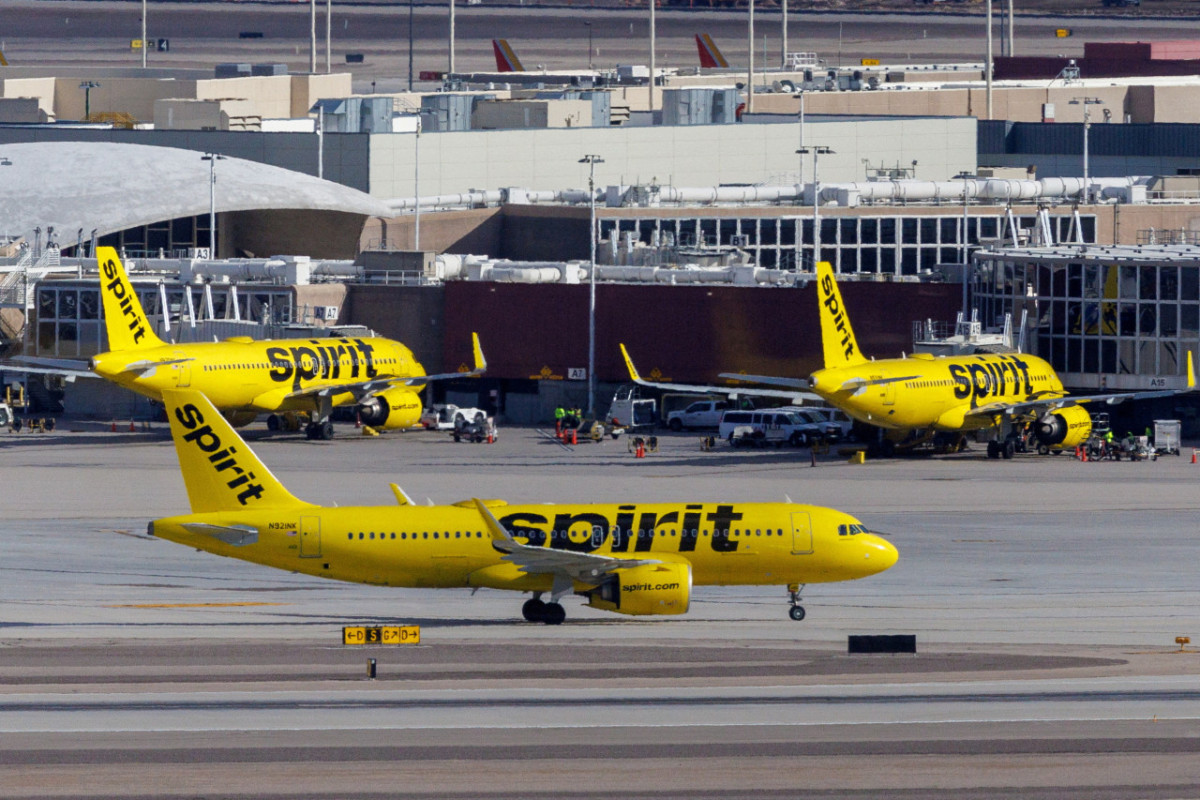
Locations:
{"points": [[1168, 236]]}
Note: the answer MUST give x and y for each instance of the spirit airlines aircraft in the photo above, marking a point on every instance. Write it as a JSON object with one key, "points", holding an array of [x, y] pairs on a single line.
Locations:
{"points": [[954, 394], [630, 558], [244, 377], [949, 393]]}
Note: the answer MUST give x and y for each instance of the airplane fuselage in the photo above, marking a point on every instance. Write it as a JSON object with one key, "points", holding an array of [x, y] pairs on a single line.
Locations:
{"points": [[937, 392], [242, 374], [448, 546]]}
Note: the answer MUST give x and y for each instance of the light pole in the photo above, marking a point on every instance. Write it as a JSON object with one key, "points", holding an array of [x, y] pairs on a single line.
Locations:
{"points": [[589, 27], [328, 36], [312, 36], [410, 44], [987, 61], [87, 87], [451, 65], [653, 49], [144, 48], [750, 58], [592, 161], [964, 177], [417, 186], [817, 151], [212, 159], [1087, 103]]}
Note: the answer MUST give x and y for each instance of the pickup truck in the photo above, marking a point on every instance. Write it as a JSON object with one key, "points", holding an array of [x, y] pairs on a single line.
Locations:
{"points": [[700, 414]]}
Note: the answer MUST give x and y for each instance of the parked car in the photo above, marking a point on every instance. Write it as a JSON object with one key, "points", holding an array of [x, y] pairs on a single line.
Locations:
{"points": [[768, 427], [836, 426], [700, 414]]}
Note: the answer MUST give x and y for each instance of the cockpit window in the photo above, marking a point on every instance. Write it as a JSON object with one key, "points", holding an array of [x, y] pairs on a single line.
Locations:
{"points": [[851, 530]]}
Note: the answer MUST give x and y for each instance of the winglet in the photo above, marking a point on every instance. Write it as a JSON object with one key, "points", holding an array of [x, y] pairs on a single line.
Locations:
{"points": [[402, 497], [480, 361], [633, 373], [499, 534]]}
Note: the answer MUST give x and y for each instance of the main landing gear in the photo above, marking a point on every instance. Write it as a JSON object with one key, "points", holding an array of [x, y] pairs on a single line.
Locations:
{"points": [[796, 612], [535, 610], [319, 431], [1006, 449]]}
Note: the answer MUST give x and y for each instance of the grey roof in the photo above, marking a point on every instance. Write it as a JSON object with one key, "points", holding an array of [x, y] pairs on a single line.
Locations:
{"points": [[111, 187]]}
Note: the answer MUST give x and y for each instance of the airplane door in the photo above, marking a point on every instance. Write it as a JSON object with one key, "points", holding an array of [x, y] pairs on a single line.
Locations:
{"points": [[310, 537], [887, 391], [183, 374], [802, 539]]}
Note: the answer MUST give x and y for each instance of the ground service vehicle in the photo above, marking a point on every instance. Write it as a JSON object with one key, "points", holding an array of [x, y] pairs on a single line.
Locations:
{"points": [[629, 558]]}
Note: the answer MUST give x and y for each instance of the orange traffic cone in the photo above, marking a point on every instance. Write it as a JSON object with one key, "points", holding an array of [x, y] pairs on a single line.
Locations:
{"points": [[574, 437], [132, 427], [1193, 455], [357, 419], [114, 426]]}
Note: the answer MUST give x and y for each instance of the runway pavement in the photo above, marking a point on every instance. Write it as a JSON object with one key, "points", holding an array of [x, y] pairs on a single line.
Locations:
{"points": [[76, 34], [1045, 595]]}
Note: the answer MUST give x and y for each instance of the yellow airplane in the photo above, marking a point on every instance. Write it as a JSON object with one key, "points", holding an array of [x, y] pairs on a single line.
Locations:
{"points": [[631, 558], [955, 394], [244, 377]]}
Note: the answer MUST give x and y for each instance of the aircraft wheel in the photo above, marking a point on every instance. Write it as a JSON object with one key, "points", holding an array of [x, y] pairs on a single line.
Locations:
{"points": [[554, 614], [324, 430], [1010, 449], [993, 449], [273, 424], [796, 613], [310, 431], [1043, 449], [534, 610]]}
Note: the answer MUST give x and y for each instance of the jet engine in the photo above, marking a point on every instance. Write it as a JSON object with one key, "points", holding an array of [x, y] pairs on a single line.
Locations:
{"points": [[240, 419], [645, 590], [1063, 428], [391, 409]]}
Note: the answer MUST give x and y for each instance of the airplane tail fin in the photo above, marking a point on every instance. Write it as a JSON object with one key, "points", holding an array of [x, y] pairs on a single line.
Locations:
{"points": [[124, 319], [220, 471], [506, 57], [837, 337], [710, 55]]}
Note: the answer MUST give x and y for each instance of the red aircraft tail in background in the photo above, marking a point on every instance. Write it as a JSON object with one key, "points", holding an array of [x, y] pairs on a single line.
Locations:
{"points": [[506, 57], [710, 55]]}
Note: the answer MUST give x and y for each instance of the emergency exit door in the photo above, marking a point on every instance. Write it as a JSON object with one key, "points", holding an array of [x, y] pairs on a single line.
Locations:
{"points": [[802, 540], [310, 537]]}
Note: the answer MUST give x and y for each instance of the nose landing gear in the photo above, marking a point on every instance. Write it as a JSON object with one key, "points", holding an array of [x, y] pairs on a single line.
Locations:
{"points": [[796, 612]]}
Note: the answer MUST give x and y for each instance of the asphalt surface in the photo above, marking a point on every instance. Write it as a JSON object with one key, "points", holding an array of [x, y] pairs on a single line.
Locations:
{"points": [[78, 33], [1045, 595]]}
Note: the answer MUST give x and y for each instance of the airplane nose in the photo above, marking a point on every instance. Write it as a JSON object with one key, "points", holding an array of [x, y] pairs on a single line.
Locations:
{"points": [[878, 554]]}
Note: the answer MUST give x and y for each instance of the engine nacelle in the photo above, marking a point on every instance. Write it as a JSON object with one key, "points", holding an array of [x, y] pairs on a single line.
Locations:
{"points": [[391, 409], [240, 419], [1064, 428], [645, 590]]}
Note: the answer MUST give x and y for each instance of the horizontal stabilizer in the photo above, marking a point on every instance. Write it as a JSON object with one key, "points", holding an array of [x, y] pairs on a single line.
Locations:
{"points": [[236, 535]]}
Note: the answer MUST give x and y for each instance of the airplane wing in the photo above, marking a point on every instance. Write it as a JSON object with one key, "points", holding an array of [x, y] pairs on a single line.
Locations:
{"points": [[480, 367], [769, 380], [582, 567], [726, 390]]}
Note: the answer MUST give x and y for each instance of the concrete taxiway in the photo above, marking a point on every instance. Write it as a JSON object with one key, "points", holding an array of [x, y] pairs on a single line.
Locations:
{"points": [[1045, 595]]}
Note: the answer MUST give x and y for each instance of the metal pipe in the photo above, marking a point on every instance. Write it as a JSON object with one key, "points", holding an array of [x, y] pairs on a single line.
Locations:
{"points": [[653, 47], [312, 36], [145, 44], [328, 36], [987, 66], [451, 36]]}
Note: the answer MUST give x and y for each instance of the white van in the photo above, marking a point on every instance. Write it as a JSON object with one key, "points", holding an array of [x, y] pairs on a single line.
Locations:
{"points": [[767, 427]]}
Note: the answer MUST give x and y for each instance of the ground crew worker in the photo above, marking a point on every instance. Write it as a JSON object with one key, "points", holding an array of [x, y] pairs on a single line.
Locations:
{"points": [[559, 414]]}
